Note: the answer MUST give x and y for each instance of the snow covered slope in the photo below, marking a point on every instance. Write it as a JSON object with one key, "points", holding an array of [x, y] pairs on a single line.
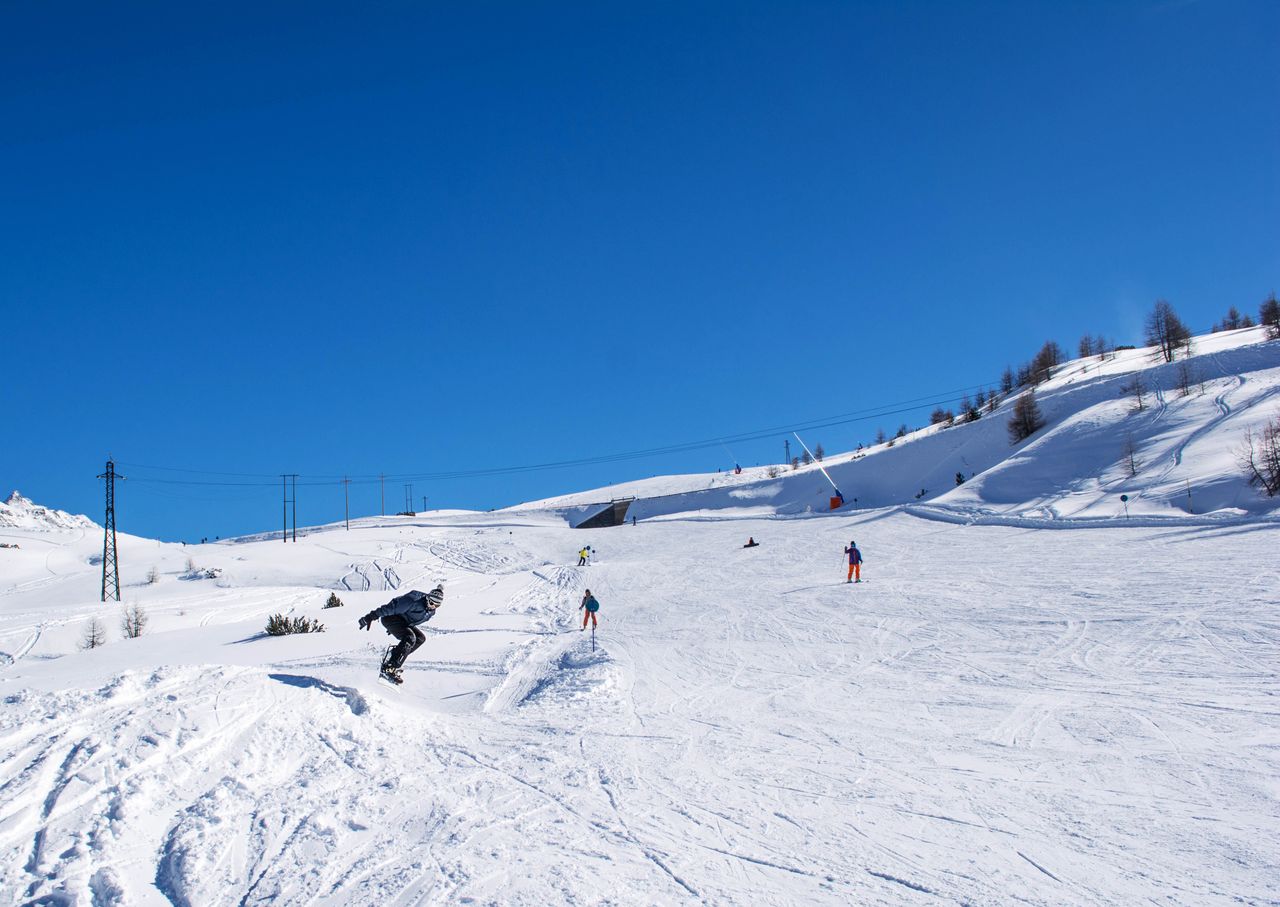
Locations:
{"points": [[1076, 468], [995, 716]]}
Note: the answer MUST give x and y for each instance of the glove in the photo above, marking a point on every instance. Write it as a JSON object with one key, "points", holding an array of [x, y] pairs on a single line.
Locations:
{"points": [[367, 621]]}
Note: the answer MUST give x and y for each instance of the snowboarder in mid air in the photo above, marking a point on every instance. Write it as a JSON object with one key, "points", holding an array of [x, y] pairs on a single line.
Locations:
{"points": [[855, 563], [400, 617], [592, 606]]}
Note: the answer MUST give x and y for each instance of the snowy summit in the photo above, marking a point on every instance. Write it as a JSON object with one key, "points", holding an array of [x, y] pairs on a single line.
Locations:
{"points": [[18, 512]]}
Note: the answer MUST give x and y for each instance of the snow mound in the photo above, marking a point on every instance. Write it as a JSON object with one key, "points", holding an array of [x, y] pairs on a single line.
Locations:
{"points": [[18, 512]]}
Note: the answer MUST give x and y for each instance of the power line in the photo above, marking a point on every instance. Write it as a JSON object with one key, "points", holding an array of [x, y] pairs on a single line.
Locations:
{"points": [[890, 409]]}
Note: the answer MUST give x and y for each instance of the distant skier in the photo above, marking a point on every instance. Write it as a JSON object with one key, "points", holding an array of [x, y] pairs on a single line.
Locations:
{"points": [[591, 606], [400, 617], [855, 563], [751, 543], [583, 554]]}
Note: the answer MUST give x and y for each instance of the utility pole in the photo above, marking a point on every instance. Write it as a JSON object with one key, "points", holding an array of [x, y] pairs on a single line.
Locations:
{"points": [[383, 480], [787, 443], [110, 564], [346, 501], [408, 499], [289, 497], [424, 503]]}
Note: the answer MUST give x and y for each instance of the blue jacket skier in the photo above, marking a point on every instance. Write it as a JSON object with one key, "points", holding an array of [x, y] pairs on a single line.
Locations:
{"points": [[592, 606], [400, 617], [855, 563]]}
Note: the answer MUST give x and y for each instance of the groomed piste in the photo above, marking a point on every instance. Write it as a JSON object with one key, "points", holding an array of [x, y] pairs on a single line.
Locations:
{"points": [[1029, 699]]}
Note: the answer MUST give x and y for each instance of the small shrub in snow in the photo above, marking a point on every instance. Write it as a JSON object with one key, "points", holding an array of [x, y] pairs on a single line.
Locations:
{"points": [[1187, 376], [819, 452], [133, 621], [194, 572], [1138, 389], [772, 472], [280, 625], [902, 431], [153, 577], [95, 634], [334, 601], [1026, 419], [1260, 457]]}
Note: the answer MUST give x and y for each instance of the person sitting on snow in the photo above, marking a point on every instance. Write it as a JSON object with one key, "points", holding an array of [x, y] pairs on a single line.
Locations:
{"points": [[400, 617]]}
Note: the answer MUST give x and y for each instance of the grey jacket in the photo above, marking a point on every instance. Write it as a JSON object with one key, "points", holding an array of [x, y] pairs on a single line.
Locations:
{"points": [[415, 607]]}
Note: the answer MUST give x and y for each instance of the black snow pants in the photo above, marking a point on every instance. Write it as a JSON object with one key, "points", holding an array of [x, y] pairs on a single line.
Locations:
{"points": [[410, 638]]}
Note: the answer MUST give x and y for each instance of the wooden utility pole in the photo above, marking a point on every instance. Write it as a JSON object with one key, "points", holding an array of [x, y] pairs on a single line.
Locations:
{"points": [[346, 501]]}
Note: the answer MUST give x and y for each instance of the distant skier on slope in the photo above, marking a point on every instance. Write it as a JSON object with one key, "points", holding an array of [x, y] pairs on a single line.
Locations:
{"points": [[592, 606], [583, 554], [400, 617], [855, 563]]}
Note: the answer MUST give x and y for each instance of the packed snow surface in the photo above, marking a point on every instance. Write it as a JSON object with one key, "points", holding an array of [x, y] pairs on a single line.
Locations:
{"points": [[995, 715], [1032, 698]]}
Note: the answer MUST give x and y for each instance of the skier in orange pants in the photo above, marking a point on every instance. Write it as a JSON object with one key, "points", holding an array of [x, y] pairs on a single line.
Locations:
{"points": [[855, 563], [591, 606]]}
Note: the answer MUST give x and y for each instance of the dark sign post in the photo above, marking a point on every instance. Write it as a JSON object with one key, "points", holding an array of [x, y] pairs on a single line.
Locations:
{"points": [[1124, 499]]}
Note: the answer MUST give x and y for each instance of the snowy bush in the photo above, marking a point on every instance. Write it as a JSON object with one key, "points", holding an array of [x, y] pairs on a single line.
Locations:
{"points": [[1260, 457], [194, 572], [1138, 390], [334, 601], [133, 621], [153, 577], [280, 625], [95, 634]]}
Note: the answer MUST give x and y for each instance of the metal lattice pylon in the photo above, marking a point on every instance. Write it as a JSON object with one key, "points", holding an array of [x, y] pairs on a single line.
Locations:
{"points": [[110, 564]]}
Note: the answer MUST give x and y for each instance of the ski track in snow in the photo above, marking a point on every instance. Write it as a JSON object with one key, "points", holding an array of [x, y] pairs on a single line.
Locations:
{"points": [[961, 727], [996, 715]]}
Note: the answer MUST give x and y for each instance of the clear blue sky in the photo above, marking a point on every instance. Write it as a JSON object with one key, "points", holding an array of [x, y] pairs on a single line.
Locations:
{"points": [[390, 238]]}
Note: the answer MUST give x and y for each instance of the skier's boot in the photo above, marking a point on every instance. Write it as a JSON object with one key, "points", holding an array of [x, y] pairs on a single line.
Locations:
{"points": [[389, 670]]}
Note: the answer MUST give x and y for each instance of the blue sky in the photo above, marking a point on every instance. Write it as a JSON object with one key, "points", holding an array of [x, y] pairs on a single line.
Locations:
{"points": [[396, 238]]}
